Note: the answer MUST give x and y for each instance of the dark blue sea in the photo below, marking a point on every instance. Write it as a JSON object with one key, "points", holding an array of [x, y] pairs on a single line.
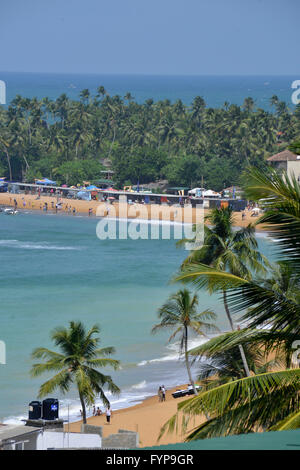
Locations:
{"points": [[216, 90]]}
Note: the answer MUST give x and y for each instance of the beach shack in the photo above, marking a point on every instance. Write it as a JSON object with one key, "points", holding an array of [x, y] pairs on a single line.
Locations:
{"points": [[287, 161]]}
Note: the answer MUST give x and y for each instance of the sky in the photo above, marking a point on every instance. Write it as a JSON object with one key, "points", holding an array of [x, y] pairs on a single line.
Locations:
{"points": [[160, 37]]}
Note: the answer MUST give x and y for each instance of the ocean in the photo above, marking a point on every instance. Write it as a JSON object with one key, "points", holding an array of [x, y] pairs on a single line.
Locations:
{"points": [[216, 90], [54, 269]]}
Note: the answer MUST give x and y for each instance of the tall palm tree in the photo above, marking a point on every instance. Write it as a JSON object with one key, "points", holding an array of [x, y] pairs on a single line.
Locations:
{"points": [[270, 400], [180, 313], [229, 251], [76, 363]]}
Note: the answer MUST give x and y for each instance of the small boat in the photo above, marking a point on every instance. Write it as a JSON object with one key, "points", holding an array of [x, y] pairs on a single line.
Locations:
{"points": [[10, 211]]}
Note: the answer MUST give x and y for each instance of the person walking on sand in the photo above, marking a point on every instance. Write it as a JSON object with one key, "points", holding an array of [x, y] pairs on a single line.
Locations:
{"points": [[108, 414], [160, 394], [163, 391]]}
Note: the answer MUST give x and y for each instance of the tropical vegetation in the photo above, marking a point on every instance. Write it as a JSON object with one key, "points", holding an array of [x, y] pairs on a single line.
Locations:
{"points": [[180, 314], [76, 363], [268, 399], [71, 141]]}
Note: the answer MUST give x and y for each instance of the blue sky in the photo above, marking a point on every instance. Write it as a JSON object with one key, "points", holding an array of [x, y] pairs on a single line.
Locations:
{"points": [[150, 36]]}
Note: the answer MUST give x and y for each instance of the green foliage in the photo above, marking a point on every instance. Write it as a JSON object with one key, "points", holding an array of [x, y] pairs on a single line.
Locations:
{"points": [[268, 400], [141, 141], [295, 146], [140, 164], [77, 171]]}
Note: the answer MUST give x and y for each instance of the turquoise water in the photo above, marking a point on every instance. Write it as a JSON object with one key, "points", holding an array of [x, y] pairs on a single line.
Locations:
{"points": [[214, 89], [54, 269]]}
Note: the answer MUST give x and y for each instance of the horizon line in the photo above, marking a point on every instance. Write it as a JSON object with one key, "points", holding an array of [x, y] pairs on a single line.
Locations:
{"points": [[152, 74]]}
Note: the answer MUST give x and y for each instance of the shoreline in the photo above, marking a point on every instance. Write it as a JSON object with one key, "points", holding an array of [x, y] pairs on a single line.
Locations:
{"points": [[146, 418], [153, 212]]}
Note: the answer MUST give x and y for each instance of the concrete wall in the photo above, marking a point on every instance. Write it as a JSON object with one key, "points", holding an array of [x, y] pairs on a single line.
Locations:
{"points": [[91, 429], [123, 440], [294, 168]]}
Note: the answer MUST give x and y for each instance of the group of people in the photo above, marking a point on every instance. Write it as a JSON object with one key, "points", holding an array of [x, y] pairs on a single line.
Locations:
{"points": [[161, 393], [98, 412]]}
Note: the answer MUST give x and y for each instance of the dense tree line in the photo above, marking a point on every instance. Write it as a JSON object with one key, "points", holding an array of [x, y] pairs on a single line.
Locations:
{"points": [[69, 140]]}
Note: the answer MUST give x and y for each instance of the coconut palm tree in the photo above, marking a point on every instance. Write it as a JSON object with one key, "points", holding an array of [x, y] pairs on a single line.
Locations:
{"points": [[77, 363], [271, 400], [180, 313], [227, 250]]}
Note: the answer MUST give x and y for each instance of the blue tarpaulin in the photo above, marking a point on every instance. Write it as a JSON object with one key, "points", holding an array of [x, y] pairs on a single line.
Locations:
{"points": [[46, 181], [85, 195]]}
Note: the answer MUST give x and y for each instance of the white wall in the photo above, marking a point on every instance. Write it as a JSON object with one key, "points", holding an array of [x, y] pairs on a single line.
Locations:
{"points": [[63, 440]]}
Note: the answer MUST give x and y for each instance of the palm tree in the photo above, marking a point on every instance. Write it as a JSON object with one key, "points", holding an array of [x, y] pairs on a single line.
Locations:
{"points": [[180, 313], [220, 360], [77, 363], [271, 400], [229, 251], [4, 145]]}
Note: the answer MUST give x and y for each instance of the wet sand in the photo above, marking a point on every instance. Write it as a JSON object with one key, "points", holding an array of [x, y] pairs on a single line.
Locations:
{"points": [[124, 211]]}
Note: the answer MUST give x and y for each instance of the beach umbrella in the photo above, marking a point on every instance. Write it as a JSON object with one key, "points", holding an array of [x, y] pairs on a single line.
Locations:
{"points": [[45, 181]]}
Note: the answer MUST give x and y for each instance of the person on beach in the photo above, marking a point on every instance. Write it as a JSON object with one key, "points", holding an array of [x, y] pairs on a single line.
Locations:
{"points": [[163, 391], [108, 414], [74, 211], [160, 394], [94, 410], [98, 412]]}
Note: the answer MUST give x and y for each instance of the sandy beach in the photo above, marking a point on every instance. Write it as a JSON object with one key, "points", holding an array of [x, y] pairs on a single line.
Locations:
{"points": [[146, 418], [126, 211]]}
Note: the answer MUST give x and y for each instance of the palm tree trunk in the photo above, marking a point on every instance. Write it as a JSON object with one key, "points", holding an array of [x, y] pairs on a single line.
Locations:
{"points": [[83, 408], [112, 143], [242, 352], [187, 360], [9, 165]]}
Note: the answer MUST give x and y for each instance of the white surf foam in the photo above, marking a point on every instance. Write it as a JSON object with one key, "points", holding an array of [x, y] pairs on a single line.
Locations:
{"points": [[24, 245], [193, 343]]}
